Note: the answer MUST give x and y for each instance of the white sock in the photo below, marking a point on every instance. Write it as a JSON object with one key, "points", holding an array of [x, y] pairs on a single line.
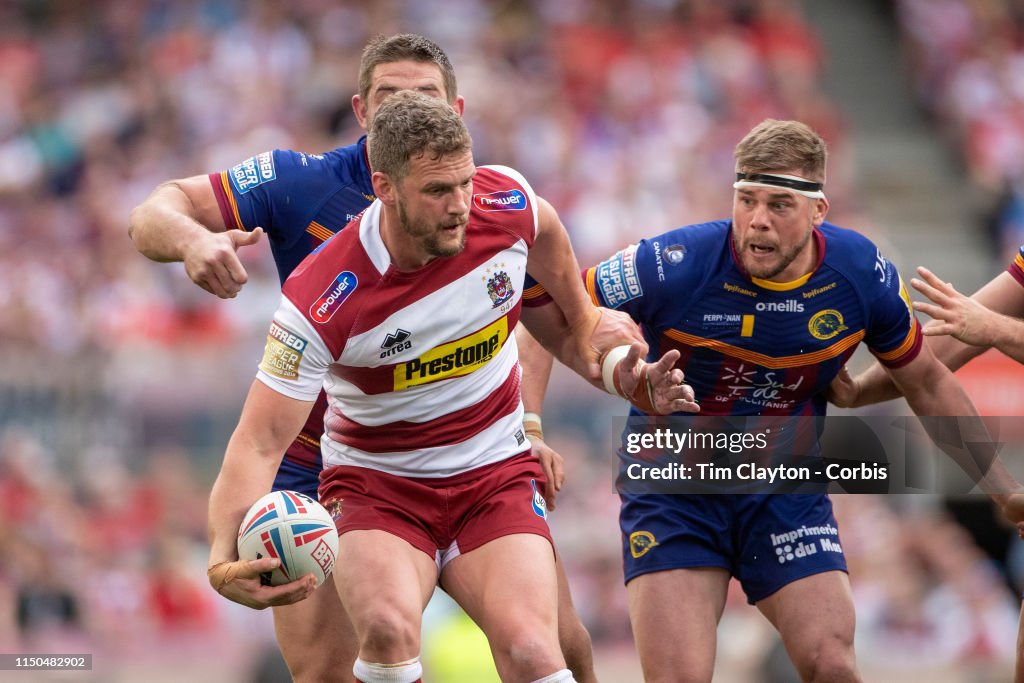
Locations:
{"points": [[563, 676], [408, 671]]}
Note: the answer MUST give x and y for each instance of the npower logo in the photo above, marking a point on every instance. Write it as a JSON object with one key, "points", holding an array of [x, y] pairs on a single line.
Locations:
{"points": [[328, 303]]}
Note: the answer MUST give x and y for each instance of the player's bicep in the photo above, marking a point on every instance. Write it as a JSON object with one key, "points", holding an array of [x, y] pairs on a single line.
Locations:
{"points": [[202, 201], [271, 420]]}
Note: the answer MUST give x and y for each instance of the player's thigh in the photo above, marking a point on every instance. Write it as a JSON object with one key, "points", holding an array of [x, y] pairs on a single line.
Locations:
{"points": [[508, 586], [674, 614], [382, 577], [510, 577], [316, 637], [815, 617]]}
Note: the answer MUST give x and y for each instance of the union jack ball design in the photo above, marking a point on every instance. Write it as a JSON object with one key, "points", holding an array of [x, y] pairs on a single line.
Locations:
{"points": [[293, 528]]}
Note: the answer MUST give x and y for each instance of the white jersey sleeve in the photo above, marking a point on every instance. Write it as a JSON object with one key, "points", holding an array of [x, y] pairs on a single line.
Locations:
{"points": [[295, 359]]}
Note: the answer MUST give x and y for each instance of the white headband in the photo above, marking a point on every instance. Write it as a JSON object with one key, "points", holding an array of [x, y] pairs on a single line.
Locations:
{"points": [[807, 188]]}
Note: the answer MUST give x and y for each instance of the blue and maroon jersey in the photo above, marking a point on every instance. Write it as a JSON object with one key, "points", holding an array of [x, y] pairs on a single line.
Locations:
{"points": [[755, 347], [300, 200], [1016, 268]]}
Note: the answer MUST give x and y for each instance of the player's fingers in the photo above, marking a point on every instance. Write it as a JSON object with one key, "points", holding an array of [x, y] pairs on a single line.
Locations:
{"points": [[665, 363], [935, 281], [222, 280], [929, 291], [936, 312], [633, 358], [235, 270], [241, 238], [685, 406], [289, 593], [938, 330]]}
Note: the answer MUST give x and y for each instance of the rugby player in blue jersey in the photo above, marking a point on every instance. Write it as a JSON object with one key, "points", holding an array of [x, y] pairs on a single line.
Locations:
{"points": [[300, 200], [764, 309]]}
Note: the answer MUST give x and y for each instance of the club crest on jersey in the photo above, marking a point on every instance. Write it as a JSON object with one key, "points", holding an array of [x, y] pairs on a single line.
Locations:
{"points": [[503, 200], [826, 324], [640, 542], [328, 303], [499, 288]]}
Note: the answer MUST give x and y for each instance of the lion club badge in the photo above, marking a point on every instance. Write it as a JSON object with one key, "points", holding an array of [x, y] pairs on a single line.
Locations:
{"points": [[499, 288]]}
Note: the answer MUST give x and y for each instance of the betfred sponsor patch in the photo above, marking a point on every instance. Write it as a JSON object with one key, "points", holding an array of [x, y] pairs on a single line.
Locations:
{"points": [[454, 359], [252, 172], [283, 353], [503, 200], [328, 303], [617, 278]]}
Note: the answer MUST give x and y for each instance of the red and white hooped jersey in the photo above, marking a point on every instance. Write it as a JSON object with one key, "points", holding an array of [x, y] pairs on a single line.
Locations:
{"points": [[420, 368]]}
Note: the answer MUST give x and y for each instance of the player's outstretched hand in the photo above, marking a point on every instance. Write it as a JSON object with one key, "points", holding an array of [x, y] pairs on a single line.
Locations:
{"points": [[554, 468], [953, 313], [843, 390], [239, 581], [655, 388], [213, 264]]}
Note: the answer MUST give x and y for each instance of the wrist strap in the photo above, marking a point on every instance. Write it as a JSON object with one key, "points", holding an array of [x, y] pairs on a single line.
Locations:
{"points": [[533, 426]]}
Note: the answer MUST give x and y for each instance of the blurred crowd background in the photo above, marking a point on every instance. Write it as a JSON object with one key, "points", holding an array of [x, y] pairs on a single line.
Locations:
{"points": [[120, 381]]}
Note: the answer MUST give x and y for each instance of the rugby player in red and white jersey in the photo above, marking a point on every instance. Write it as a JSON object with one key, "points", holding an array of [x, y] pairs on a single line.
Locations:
{"points": [[202, 221], [428, 472]]}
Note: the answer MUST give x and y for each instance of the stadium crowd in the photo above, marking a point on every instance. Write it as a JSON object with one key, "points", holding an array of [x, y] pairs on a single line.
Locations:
{"points": [[119, 375], [967, 62]]}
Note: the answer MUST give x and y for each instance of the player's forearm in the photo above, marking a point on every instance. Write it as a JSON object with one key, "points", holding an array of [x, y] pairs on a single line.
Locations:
{"points": [[553, 264], [246, 474], [551, 331], [1007, 335], [163, 225], [874, 385], [269, 423], [536, 363], [970, 447]]}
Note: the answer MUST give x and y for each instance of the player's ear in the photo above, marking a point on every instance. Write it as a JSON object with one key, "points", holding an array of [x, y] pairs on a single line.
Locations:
{"points": [[359, 109], [459, 105], [384, 188], [820, 211]]}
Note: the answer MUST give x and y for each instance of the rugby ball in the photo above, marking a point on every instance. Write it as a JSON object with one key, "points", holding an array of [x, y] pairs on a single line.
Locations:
{"points": [[293, 528]]}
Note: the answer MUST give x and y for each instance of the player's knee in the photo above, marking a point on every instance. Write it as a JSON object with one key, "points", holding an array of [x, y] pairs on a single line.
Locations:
{"points": [[390, 635], [527, 654], [832, 662]]}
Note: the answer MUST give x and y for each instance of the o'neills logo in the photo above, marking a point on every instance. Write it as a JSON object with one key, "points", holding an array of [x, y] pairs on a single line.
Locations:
{"points": [[787, 306], [503, 200], [328, 303], [456, 358]]}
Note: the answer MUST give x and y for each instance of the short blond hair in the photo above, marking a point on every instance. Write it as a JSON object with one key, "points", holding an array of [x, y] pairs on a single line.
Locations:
{"points": [[409, 124], [775, 145]]}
